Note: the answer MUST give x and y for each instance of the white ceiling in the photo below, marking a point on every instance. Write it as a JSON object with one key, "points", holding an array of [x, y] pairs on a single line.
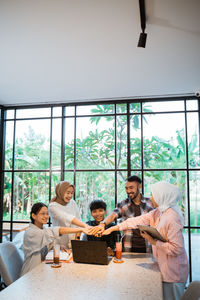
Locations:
{"points": [[55, 51]]}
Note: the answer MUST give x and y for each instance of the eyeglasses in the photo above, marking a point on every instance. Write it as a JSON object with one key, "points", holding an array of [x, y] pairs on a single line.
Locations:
{"points": [[43, 214]]}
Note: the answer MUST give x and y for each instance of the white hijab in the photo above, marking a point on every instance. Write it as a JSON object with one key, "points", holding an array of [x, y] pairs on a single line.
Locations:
{"points": [[167, 196]]}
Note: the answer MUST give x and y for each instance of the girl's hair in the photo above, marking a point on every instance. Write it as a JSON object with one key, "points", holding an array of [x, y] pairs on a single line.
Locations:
{"points": [[35, 209]]}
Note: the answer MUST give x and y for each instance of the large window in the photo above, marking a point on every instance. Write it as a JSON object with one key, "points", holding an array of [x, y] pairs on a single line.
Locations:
{"points": [[96, 146]]}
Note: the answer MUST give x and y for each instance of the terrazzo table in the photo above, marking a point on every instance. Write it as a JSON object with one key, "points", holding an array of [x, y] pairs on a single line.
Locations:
{"points": [[137, 278]]}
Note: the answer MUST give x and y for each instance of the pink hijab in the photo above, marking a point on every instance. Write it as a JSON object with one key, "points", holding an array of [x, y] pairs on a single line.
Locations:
{"points": [[60, 191]]}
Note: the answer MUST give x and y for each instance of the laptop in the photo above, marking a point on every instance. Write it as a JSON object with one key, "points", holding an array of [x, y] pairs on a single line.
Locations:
{"points": [[90, 252]]}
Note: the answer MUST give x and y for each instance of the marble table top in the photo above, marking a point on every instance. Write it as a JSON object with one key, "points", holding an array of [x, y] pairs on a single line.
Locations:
{"points": [[137, 278]]}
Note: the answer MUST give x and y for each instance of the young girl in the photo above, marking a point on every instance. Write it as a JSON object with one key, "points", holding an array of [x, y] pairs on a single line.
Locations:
{"points": [[63, 209], [38, 240], [170, 255]]}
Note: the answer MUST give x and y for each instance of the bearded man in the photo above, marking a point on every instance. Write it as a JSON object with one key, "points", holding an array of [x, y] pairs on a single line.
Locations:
{"points": [[134, 205]]}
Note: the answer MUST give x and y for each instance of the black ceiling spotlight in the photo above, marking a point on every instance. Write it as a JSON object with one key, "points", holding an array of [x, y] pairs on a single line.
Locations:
{"points": [[143, 35]]}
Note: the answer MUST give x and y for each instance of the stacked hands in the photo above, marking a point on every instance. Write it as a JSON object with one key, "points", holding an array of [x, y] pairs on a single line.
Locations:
{"points": [[100, 230]]}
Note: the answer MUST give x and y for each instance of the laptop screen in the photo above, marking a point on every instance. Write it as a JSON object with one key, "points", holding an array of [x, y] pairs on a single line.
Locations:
{"points": [[90, 252]]}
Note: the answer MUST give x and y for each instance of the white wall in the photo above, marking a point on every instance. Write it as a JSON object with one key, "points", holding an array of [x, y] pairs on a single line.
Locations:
{"points": [[70, 50]]}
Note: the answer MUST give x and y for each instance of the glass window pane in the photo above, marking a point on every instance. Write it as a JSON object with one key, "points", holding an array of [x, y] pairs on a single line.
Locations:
{"points": [[193, 140], [56, 144], [135, 141], [69, 143], [192, 104], [33, 113], [164, 141], [69, 176], [10, 113], [178, 178], [121, 108], [95, 109], [121, 142], [95, 148], [121, 181], [18, 230], [194, 179], [55, 179], [9, 145], [29, 188], [135, 107], [6, 232], [186, 236], [57, 111], [32, 144], [69, 110], [195, 246], [94, 185], [162, 106], [7, 196]]}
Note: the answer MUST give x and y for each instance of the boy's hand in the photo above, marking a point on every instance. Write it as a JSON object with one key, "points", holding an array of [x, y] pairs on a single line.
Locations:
{"points": [[110, 252], [101, 228], [77, 236]]}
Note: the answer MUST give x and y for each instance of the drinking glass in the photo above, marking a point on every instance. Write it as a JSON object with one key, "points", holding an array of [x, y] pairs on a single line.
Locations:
{"points": [[56, 255], [118, 251]]}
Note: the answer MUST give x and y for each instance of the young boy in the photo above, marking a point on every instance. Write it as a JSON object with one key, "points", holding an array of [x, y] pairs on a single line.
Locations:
{"points": [[98, 212]]}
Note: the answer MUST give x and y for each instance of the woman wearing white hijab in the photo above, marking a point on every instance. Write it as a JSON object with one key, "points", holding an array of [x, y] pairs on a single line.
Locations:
{"points": [[170, 255]]}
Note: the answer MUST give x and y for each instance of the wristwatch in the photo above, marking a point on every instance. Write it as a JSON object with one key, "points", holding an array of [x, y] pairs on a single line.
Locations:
{"points": [[103, 222]]}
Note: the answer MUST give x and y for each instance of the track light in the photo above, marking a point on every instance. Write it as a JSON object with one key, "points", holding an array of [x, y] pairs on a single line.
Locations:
{"points": [[143, 35], [142, 40]]}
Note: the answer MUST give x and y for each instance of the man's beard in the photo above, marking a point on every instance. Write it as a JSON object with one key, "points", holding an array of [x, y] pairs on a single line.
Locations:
{"points": [[134, 195]]}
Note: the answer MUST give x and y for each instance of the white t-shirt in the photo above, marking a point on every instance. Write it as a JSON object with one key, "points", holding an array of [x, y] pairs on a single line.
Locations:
{"points": [[62, 215]]}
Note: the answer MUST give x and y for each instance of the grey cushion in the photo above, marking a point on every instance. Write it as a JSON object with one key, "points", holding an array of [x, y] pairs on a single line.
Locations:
{"points": [[192, 292], [10, 262]]}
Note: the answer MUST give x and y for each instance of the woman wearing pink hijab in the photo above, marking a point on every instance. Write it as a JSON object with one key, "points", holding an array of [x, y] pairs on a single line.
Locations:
{"points": [[170, 255]]}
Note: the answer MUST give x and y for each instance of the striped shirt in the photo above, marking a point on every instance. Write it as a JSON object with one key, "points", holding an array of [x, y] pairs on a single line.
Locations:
{"points": [[133, 241]]}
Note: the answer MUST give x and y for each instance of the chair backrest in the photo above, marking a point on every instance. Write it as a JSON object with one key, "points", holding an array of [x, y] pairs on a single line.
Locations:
{"points": [[192, 292], [10, 262]]}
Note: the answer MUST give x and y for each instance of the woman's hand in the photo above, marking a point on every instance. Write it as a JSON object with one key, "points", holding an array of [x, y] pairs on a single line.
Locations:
{"points": [[107, 231], [148, 237], [88, 230], [111, 229]]}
